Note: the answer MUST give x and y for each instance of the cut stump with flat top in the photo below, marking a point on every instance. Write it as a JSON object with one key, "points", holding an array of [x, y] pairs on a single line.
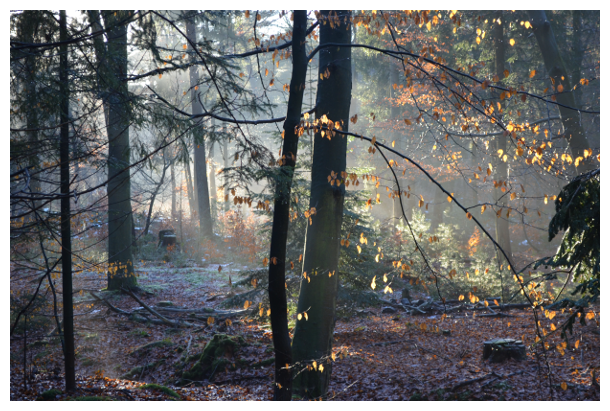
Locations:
{"points": [[500, 349]]}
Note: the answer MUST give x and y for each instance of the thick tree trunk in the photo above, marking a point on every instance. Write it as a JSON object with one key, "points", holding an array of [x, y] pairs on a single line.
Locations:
{"points": [[313, 334], [570, 117], [120, 273], [281, 212], [66, 242], [501, 167], [201, 178]]}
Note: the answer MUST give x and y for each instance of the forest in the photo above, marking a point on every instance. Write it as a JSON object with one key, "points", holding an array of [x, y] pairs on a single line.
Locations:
{"points": [[305, 205]]}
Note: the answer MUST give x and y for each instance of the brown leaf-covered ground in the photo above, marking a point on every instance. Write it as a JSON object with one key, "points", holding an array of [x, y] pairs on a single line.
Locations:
{"points": [[377, 356]]}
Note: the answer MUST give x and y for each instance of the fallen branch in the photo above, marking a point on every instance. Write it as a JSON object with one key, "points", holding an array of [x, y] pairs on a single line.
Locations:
{"points": [[499, 376], [468, 382], [112, 307], [156, 314]]}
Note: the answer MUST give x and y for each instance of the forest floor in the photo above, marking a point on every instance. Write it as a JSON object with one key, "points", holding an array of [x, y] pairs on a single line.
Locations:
{"points": [[377, 356]]}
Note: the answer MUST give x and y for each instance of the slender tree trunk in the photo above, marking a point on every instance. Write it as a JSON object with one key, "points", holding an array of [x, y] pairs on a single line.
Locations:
{"points": [[173, 182], [189, 188], [225, 160], [570, 117], [28, 28], [394, 113], [281, 211], [201, 179], [501, 167], [120, 259], [212, 178], [66, 243], [440, 203], [577, 54], [152, 199], [313, 333]]}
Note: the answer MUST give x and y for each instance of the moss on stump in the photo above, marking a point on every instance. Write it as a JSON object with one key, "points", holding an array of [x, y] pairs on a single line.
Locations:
{"points": [[500, 349], [218, 353]]}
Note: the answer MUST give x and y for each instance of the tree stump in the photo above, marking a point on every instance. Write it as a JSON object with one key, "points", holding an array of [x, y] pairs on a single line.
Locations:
{"points": [[500, 349], [167, 238]]}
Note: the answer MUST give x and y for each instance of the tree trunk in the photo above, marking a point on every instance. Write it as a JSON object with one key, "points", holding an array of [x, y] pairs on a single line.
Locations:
{"points": [[154, 196], [120, 260], [28, 28], [501, 167], [189, 188], [66, 243], [281, 212], [212, 178], [313, 334], [201, 178], [225, 161], [570, 117], [440, 203], [173, 182], [577, 54]]}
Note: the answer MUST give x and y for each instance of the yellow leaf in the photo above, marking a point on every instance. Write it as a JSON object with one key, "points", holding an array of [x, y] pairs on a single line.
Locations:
{"points": [[486, 303], [577, 343], [247, 304], [564, 386], [247, 14], [512, 42], [210, 320], [553, 328], [315, 365], [265, 261], [306, 317], [461, 298], [394, 142], [560, 88], [373, 140], [299, 316], [184, 46], [496, 302], [228, 322], [478, 40], [449, 198], [387, 289], [266, 72], [373, 285], [333, 356], [321, 368]]}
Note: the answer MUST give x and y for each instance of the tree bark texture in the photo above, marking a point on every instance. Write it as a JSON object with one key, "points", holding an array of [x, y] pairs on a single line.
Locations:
{"points": [[555, 66], [120, 273], [501, 167], [201, 178], [281, 213], [313, 334]]}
